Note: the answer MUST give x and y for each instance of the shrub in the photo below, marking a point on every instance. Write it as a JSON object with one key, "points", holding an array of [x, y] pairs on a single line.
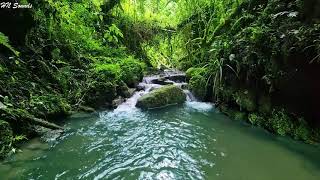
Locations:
{"points": [[108, 72], [195, 71], [302, 131], [131, 71], [255, 119], [281, 123]]}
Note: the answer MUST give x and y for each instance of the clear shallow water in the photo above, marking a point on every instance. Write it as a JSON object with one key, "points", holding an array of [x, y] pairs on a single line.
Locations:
{"points": [[190, 141]]}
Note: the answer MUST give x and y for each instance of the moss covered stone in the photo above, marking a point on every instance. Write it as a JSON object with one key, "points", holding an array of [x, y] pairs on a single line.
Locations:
{"points": [[198, 86], [265, 105], [5, 138], [246, 100], [164, 96]]}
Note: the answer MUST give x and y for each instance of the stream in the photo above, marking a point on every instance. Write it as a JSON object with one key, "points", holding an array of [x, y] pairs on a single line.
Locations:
{"points": [[189, 141]]}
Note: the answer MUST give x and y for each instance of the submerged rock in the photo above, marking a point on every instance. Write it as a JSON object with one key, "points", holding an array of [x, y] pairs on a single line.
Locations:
{"points": [[86, 109], [141, 87], [118, 101], [162, 81], [177, 78], [163, 96]]}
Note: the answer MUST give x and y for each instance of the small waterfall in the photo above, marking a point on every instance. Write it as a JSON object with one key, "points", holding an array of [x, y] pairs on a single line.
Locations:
{"points": [[147, 85], [190, 96]]}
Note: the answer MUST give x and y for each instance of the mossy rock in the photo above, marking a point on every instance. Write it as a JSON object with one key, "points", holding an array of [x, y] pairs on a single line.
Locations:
{"points": [[101, 94], [265, 105], [103, 88], [246, 100], [123, 90], [233, 113], [161, 97], [5, 138], [198, 86]]}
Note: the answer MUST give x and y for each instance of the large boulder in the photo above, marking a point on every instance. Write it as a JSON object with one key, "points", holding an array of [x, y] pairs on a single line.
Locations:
{"points": [[163, 96]]}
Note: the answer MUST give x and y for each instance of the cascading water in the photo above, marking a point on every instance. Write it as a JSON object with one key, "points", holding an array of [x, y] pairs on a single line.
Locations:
{"points": [[148, 85]]}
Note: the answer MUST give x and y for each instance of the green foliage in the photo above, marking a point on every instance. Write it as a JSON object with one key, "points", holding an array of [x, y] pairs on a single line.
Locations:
{"points": [[49, 105], [246, 99], [255, 119], [19, 138], [110, 72], [74, 55], [6, 137], [302, 131], [191, 72], [131, 71], [281, 122], [4, 40], [113, 34]]}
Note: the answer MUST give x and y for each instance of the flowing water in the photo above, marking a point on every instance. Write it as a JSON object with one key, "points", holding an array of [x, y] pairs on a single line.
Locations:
{"points": [[190, 141]]}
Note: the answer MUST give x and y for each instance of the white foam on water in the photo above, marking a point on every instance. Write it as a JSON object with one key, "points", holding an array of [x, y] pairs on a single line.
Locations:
{"points": [[199, 106]]}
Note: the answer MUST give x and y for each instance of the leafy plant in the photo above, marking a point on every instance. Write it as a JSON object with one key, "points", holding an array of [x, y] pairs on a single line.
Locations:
{"points": [[4, 40]]}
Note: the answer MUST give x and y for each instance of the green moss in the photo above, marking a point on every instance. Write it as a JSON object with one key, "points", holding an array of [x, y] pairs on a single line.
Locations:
{"points": [[264, 104], [240, 116], [6, 137], [198, 86], [166, 95], [233, 113], [246, 100], [302, 131], [4, 40]]}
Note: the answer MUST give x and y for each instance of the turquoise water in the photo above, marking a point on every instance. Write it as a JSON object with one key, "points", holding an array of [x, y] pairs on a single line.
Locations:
{"points": [[191, 141]]}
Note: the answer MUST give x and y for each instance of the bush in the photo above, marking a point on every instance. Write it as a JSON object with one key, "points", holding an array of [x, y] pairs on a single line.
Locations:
{"points": [[255, 119], [195, 71], [302, 131], [281, 123], [131, 71], [109, 72], [50, 106]]}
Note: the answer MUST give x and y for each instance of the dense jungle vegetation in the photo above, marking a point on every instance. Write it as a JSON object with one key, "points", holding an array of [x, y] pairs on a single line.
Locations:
{"points": [[257, 60]]}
